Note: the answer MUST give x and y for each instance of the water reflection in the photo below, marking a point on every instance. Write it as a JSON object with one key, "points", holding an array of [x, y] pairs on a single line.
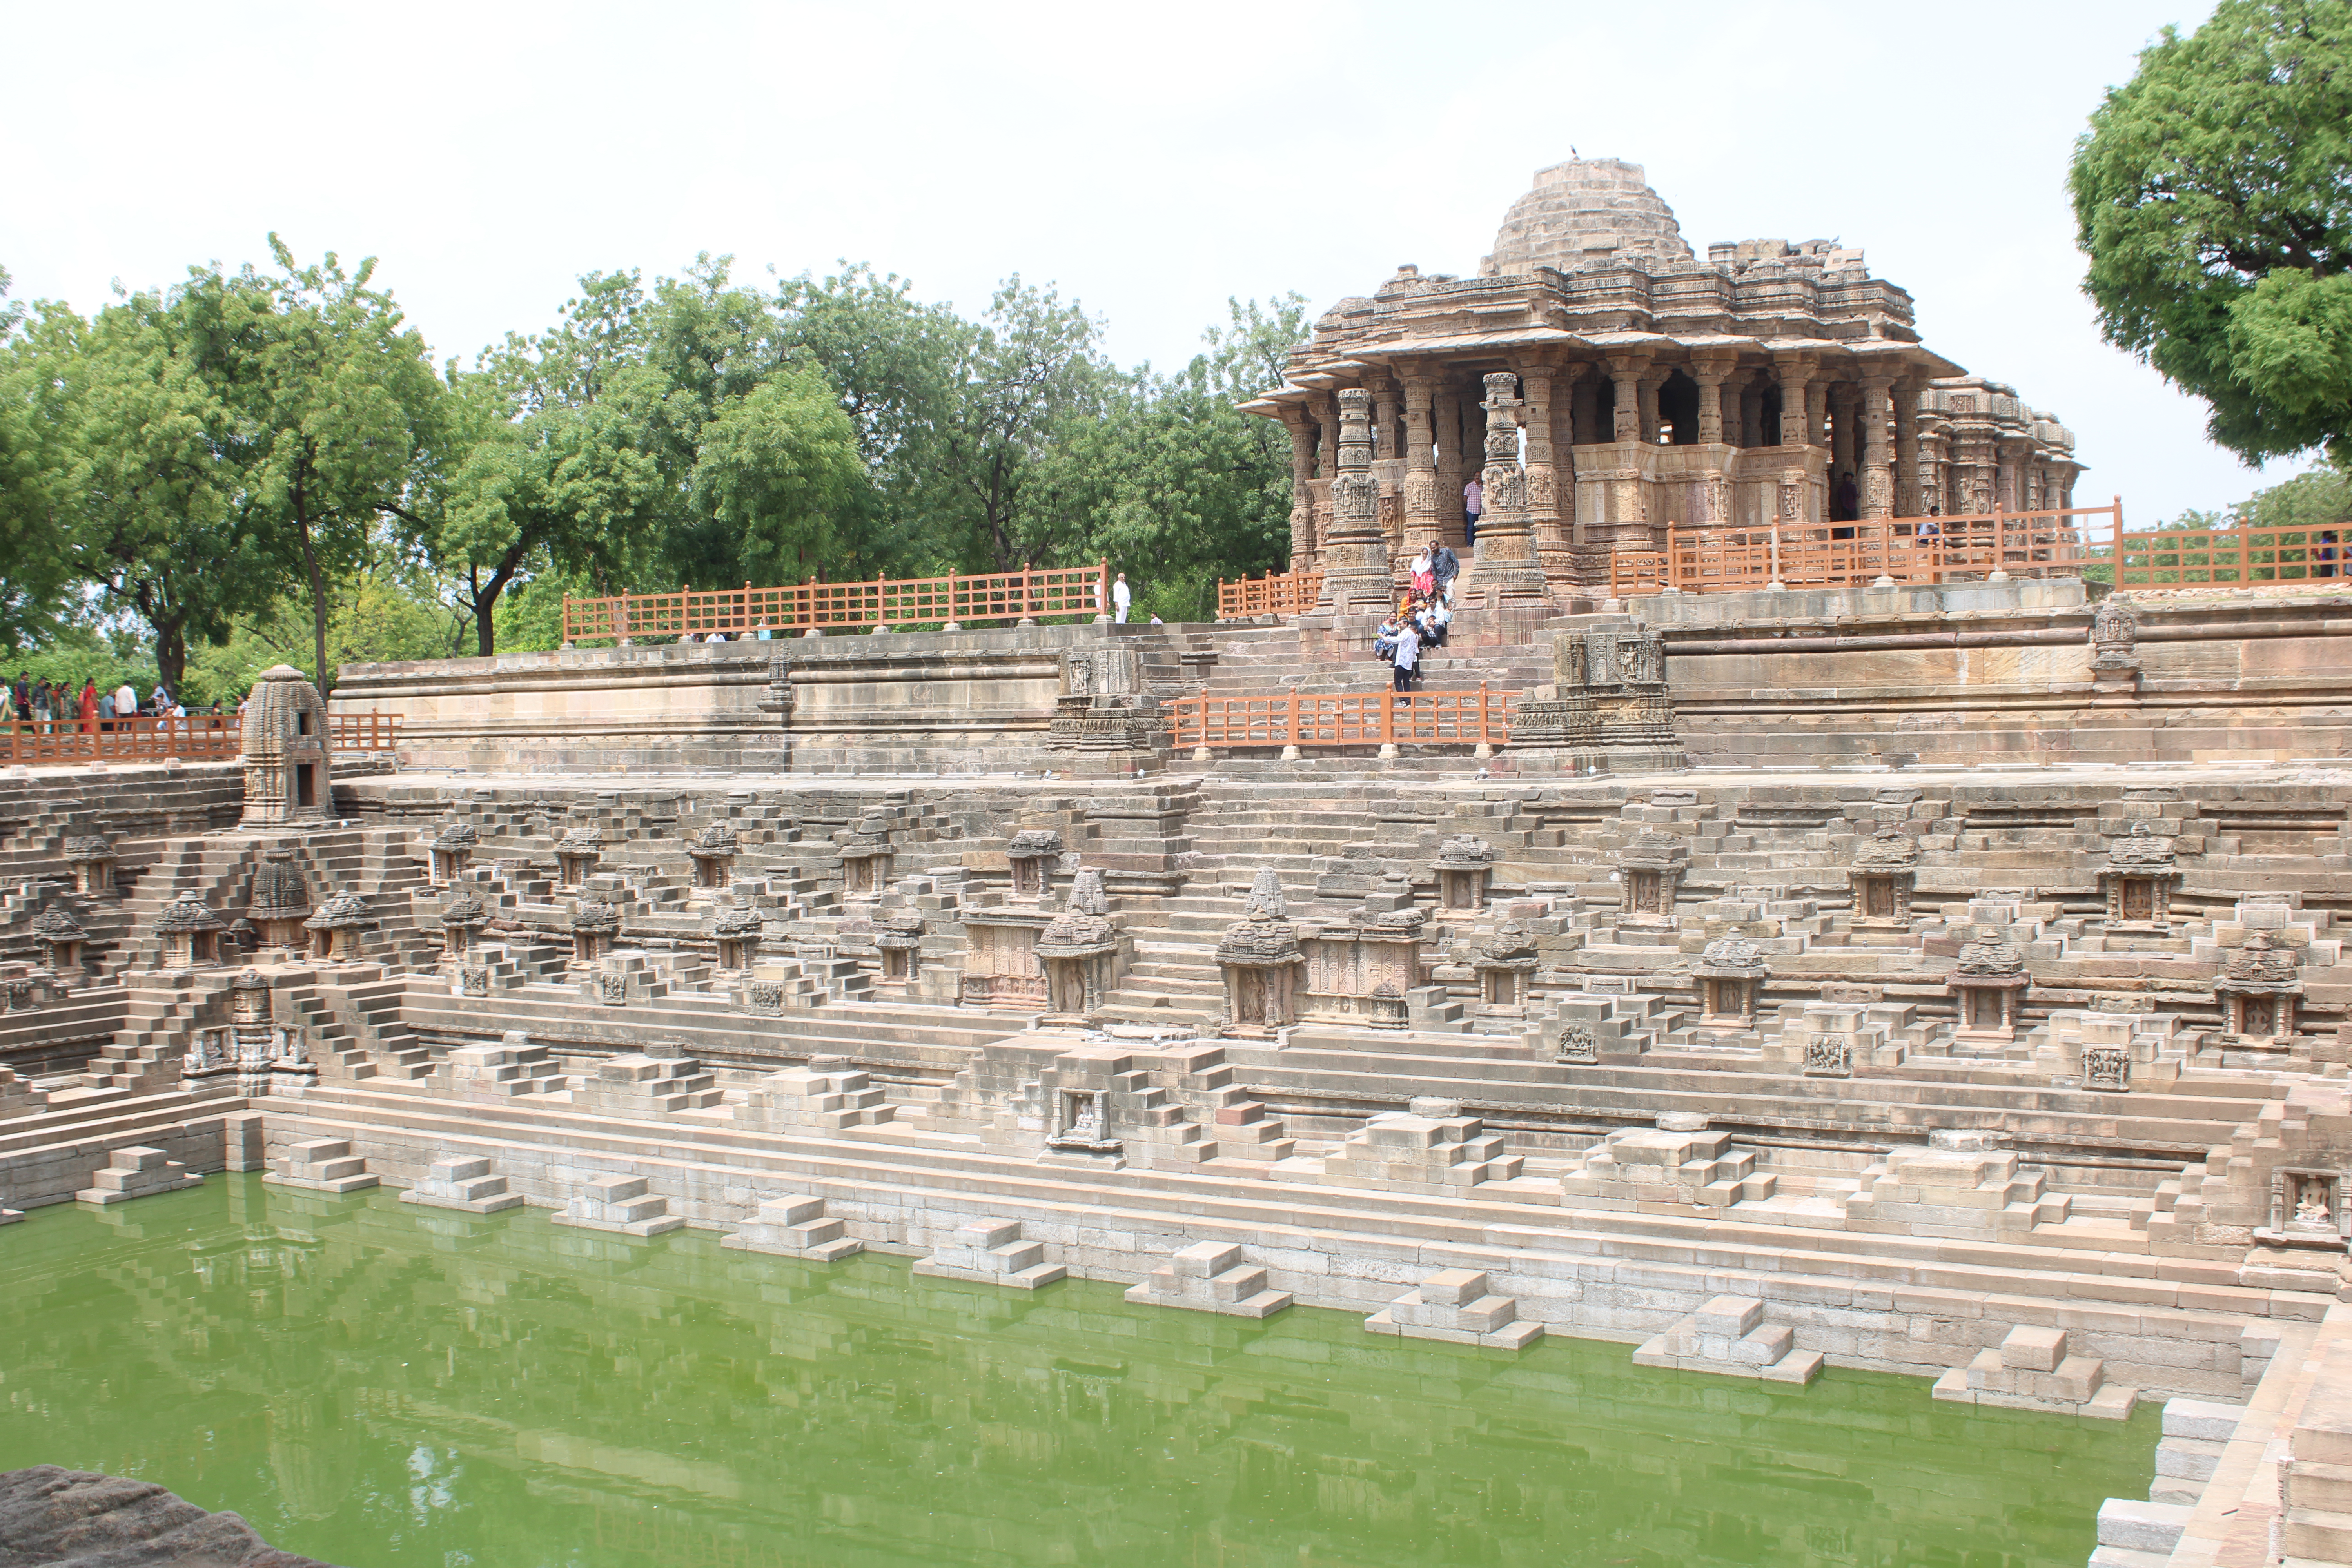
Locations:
{"points": [[383, 1386]]}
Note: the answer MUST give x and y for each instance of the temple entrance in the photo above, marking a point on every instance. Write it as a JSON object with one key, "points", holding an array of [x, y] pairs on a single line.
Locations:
{"points": [[306, 787], [1678, 411], [1767, 415]]}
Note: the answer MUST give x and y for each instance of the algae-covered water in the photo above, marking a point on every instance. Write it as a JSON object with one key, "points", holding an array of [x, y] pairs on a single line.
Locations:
{"points": [[384, 1386]]}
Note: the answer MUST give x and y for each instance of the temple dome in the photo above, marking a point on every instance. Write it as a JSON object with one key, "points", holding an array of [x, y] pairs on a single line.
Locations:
{"points": [[1584, 211]]}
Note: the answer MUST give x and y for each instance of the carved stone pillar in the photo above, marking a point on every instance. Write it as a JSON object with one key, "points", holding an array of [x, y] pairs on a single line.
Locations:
{"points": [[1422, 515], [1455, 463], [1567, 383], [1930, 492], [1652, 379], [1508, 569], [1906, 449], [1303, 546], [1625, 372], [1844, 418], [1877, 464], [1356, 557], [1327, 445], [1384, 420], [1710, 373], [1796, 373], [1584, 408], [1551, 546], [1817, 413]]}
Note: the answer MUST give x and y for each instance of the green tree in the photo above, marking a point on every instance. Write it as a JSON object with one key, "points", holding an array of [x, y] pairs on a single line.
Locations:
{"points": [[1172, 484], [1030, 371], [564, 482], [126, 435], [775, 469], [331, 402], [2213, 195], [33, 564]]}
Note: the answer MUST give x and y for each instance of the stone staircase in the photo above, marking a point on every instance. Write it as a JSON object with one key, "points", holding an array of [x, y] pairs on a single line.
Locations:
{"points": [[145, 1054], [1276, 658]]}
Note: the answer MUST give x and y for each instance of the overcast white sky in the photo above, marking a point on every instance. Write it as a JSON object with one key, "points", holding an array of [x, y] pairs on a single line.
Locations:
{"points": [[1150, 160]]}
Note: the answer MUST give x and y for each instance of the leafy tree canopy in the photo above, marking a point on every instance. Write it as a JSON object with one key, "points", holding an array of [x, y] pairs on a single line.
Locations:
{"points": [[2213, 195]]}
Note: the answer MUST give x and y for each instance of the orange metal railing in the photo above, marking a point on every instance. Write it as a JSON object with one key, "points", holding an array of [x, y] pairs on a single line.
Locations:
{"points": [[213, 735], [1291, 593], [1904, 549], [1350, 719], [951, 601], [2237, 556]]}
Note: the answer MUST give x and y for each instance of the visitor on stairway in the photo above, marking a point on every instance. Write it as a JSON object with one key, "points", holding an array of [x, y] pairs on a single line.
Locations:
{"points": [[1473, 496], [1406, 659], [1424, 577], [1443, 566], [1441, 619], [1121, 598]]}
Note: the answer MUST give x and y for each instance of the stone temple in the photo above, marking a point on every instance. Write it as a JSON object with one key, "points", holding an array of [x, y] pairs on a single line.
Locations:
{"points": [[1655, 385], [1935, 976]]}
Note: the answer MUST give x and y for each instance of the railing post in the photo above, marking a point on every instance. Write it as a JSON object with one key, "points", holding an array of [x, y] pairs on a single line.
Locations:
{"points": [[1102, 588]]}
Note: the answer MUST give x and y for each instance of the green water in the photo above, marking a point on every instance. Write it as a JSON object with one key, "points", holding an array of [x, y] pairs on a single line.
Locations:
{"points": [[381, 1386]]}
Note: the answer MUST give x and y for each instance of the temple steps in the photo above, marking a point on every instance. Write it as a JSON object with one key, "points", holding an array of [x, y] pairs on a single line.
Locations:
{"points": [[1998, 1277]]}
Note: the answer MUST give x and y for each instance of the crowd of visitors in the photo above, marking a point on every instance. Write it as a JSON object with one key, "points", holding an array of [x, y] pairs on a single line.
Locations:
{"points": [[1423, 615], [90, 711]]}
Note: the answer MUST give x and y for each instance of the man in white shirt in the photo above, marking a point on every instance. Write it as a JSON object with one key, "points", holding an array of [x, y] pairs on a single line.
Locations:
{"points": [[1121, 596], [1407, 656], [126, 700]]}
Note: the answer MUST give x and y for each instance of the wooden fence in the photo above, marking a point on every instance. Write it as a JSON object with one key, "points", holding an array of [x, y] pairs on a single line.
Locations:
{"points": [[214, 736], [1702, 560], [1291, 593], [950, 602], [2237, 556], [1349, 719]]}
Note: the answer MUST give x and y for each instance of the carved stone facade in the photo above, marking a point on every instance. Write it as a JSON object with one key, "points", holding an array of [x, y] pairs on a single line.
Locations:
{"points": [[1260, 959], [1106, 723], [2138, 879], [1762, 381], [1606, 708], [1884, 874], [285, 748]]}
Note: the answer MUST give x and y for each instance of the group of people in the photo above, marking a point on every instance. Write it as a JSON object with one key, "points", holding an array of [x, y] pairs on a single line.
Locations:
{"points": [[38, 702], [1423, 615]]}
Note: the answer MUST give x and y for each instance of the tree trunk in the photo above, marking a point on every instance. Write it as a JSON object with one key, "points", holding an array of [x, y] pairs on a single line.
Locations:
{"points": [[171, 653], [485, 599], [318, 609]]}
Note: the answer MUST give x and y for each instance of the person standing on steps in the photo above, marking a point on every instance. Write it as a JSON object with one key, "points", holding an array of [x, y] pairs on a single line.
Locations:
{"points": [[1406, 659], [1444, 567], [1121, 598], [1474, 499]]}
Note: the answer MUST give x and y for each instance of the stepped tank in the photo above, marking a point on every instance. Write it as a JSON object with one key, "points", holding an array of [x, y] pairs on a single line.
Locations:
{"points": [[379, 1385]]}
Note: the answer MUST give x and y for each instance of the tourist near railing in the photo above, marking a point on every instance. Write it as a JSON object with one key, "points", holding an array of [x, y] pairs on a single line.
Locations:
{"points": [[1971, 547], [209, 735], [1341, 718], [1291, 593], [950, 603], [2237, 556]]}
